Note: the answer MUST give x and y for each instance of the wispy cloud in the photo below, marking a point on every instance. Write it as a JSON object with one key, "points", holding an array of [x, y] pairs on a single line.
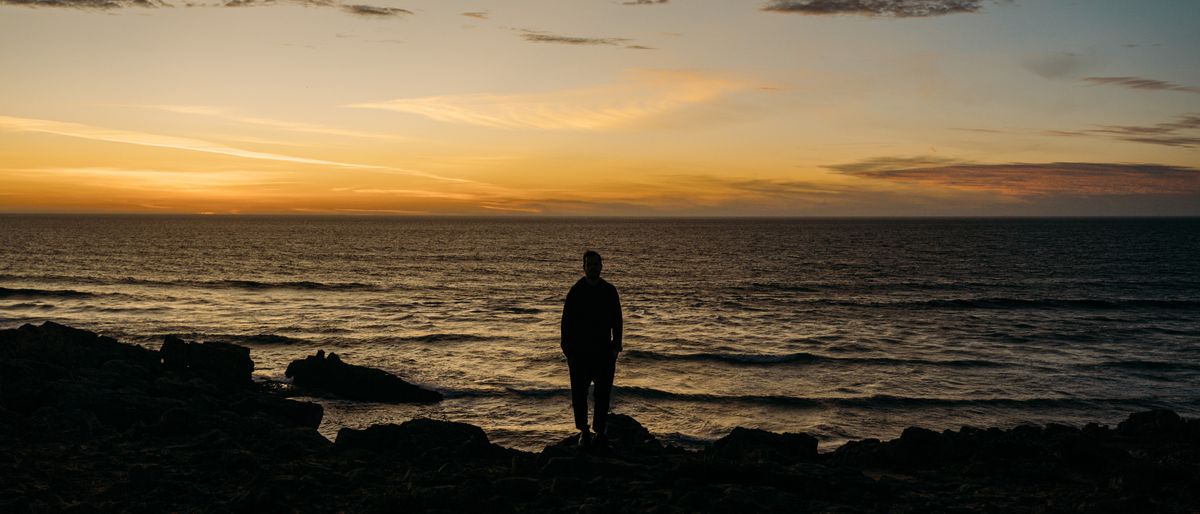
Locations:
{"points": [[412, 193], [1141, 83], [156, 179], [370, 11], [155, 140], [539, 36], [293, 126], [889, 8], [479, 15], [642, 95], [370, 211], [1031, 179], [1183, 132], [86, 4], [645, 2], [1059, 65], [373, 11], [494, 207]]}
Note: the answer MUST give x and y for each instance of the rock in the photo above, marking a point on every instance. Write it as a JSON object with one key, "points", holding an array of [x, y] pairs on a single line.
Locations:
{"points": [[224, 363], [417, 438], [517, 487], [355, 382], [750, 444], [70, 347], [1162, 423], [88, 424], [298, 413]]}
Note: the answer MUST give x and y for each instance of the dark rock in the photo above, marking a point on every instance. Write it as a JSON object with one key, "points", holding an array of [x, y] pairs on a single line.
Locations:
{"points": [[756, 445], [418, 438], [87, 423], [355, 382], [1160, 423], [517, 487], [69, 347], [298, 413], [577, 466], [224, 363]]}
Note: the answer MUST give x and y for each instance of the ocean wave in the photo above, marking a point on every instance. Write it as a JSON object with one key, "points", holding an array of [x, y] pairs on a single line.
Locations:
{"points": [[6, 292], [28, 305], [1003, 303], [435, 337], [204, 284], [297, 284], [864, 402], [1147, 365], [806, 358], [266, 339], [520, 310], [776, 287]]}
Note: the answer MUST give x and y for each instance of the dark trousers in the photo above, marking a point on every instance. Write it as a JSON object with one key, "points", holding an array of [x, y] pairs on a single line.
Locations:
{"points": [[586, 370]]}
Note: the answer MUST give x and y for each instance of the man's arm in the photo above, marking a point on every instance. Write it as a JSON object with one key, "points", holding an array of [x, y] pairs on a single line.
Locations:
{"points": [[564, 327], [618, 324]]}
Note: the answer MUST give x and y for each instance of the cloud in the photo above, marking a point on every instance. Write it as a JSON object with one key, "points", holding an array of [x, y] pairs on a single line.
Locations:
{"points": [[642, 95], [1182, 133], [369, 11], [479, 15], [155, 140], [1032, 179], [85, 4], [372, 11], [293, 126], [414, 193], [880, 164], [494, 207], [1141, 83], [154, 179], [888, 8], [1058, 65], [538, 36], [645, 2]]}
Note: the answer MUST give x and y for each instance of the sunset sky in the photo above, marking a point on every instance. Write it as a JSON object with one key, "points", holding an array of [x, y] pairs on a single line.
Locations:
{"points": [[601, 107]]}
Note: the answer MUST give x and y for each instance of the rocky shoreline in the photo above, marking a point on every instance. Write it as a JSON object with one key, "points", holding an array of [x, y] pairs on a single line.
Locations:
{"points": [[89, 424]]}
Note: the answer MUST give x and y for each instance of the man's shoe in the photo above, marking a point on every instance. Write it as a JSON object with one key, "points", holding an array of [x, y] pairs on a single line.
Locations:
{"points": [[585, 439]]}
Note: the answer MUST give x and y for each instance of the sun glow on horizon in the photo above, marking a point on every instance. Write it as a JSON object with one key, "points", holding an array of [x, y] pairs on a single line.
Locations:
{"points": [[702, 108]]}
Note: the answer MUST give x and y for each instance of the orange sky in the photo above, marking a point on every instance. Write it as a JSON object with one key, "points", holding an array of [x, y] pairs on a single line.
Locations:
{"points": [[602, 108]]}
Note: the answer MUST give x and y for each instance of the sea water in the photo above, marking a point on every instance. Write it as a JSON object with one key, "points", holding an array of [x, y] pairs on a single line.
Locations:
{"points": [[842, 328]]}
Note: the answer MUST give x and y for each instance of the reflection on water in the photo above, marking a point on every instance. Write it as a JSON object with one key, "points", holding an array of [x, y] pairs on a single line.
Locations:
{"points": [[842, 328]]}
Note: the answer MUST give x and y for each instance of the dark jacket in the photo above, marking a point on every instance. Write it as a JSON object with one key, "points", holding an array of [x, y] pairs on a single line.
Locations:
{"points": [[591, 320]]}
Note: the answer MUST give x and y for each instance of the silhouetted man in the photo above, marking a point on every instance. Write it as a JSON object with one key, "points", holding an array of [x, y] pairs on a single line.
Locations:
{"points": [[591, 340]]}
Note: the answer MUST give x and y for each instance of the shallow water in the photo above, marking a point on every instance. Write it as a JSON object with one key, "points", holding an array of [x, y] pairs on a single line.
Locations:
{"points": [[844, 328]]}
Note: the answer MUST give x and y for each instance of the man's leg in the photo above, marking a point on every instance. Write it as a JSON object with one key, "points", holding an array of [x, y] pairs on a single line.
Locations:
{"points": [[604, 371], [580, 378]]}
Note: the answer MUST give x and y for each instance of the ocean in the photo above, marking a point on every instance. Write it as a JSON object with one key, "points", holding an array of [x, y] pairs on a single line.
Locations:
{"points": [[842, 328]]}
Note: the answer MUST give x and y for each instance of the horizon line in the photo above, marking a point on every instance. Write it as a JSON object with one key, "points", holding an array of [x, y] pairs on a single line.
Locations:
{"points": [[594, 216]]}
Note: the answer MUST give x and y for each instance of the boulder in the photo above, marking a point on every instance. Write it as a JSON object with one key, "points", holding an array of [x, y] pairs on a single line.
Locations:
{"points": [[422, 437], [751, 444], [224, 363], [330, 374], [1154, 423], [52, 343]]}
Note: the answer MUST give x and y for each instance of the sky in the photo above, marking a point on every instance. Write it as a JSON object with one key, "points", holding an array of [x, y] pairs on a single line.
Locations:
{"points": [[601, 107]]}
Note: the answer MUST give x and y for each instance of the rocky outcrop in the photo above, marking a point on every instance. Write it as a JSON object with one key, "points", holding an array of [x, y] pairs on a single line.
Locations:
{"points": [[224, 363], [762, 446], [87, 423], [327, 373]]}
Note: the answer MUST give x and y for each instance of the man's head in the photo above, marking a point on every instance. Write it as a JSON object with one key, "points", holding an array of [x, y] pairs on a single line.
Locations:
{"points": [[592, 265]]}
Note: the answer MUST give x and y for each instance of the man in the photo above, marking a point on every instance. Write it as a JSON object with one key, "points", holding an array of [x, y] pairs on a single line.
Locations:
{"points": [[591, 340]]}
